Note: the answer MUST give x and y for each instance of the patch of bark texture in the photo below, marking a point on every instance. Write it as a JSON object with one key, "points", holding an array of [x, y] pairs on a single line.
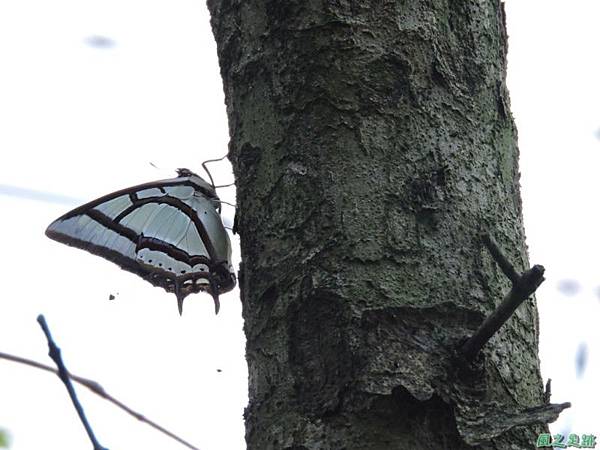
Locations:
{"points": [[372, 144]]}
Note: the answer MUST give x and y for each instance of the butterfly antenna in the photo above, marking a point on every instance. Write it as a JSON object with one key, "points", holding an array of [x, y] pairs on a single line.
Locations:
{"points": [[208, 172]]}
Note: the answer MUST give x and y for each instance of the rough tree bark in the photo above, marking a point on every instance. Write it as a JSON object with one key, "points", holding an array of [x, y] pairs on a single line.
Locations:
{"points": [[372, 144]]}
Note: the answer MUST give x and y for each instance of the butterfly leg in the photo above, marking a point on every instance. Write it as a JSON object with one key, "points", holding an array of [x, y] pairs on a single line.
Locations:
{"points": [[206, 169]]}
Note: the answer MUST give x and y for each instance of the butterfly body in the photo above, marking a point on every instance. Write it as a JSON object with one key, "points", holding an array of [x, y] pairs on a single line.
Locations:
{"points": [[169, 232]]}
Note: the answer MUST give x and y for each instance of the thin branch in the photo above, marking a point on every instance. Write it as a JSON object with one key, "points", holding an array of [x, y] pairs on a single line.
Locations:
{"points": [[97, 389], [548, 391], [500, 259], [523, 286], [63, 374]]}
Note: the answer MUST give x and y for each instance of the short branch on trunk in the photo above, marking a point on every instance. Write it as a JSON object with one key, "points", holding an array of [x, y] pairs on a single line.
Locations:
{"points": [[523, 286], [548, 391]]}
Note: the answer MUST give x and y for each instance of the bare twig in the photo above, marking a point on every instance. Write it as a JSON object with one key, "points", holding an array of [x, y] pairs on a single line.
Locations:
{"points": [[548, 391], [522, 287], [63, 374], [500, 259], [97, 389]]}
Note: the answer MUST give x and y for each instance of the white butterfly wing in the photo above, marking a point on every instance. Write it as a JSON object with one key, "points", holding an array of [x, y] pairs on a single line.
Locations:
{"points": [[168, 232]]}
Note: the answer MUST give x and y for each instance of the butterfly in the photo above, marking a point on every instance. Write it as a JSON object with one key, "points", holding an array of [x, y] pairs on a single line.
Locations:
{"points": [[169, 232]]}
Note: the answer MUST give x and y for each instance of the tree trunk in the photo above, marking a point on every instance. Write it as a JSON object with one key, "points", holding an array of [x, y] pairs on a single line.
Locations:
{"points": [[372, 144]]}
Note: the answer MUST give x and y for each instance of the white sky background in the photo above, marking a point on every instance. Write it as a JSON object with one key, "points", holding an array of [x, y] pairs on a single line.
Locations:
{"points": [[81, 121]]}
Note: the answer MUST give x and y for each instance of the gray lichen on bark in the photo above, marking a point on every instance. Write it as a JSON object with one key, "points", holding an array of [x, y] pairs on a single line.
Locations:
{"points": [[372, 143]]}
